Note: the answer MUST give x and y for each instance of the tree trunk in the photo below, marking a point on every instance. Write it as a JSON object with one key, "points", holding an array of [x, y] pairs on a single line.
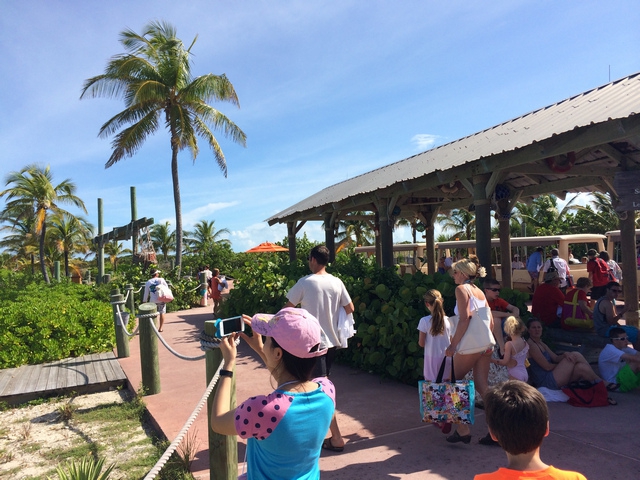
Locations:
{"points": [[66, 263], [43, 267], [178, 205]]}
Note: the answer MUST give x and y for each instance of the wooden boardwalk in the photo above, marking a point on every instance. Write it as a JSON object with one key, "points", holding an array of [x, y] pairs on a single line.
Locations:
{"points": [[86, 374]]}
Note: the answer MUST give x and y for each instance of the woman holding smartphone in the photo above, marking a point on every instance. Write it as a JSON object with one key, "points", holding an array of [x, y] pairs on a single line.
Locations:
{"points": [[284, 429]]}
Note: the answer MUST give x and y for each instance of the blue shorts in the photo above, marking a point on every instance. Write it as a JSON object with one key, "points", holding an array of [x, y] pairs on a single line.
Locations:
{"points": [[632, 332]]}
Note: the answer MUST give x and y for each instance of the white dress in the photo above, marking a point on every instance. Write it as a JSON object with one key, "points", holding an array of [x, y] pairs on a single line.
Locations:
{"points": [[434, 348]]}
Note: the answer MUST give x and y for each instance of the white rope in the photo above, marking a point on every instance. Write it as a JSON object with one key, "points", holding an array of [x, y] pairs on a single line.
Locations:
{"points": [[124, 327], [183, 357], [167, 454]]}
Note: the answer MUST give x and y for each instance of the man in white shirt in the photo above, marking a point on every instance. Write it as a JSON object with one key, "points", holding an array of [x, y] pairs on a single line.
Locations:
{"points": [[323, 295], [560, 265], [619, 363]]}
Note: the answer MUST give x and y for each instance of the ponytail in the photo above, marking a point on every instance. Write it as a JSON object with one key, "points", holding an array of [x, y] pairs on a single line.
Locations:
{"points": [[434, 297]]}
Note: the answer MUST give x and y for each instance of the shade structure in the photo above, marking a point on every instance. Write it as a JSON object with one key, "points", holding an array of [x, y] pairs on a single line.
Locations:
{"points": [[267, 247]]}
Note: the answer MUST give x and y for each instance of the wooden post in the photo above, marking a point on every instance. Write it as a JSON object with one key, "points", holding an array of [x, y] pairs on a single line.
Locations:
{"points": [[148, 350], [131, 301], [134, 217], [223, 449], [101, 244], [122, 342], [629, 266], [291, 236], [142, 284], [483, 221]]}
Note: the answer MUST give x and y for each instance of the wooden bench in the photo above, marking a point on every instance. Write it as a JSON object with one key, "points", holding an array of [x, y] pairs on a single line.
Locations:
{"points": [[590, 344]]}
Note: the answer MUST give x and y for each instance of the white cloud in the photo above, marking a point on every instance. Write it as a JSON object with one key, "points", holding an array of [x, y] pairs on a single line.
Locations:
{"points": [[424, 141]]}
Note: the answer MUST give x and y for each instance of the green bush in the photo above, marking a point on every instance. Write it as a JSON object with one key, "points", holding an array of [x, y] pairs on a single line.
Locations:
{"points": [[45, 323]]}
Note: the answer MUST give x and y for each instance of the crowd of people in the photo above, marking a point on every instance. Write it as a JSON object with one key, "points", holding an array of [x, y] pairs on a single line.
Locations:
{"points": [[301, 341]]}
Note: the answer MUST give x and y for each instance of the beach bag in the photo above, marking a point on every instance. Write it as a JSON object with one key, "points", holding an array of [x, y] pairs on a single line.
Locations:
{"points": [[478, 337], [586, 394], [164, 294], [573, 316], [346, 328], [447, 402]]}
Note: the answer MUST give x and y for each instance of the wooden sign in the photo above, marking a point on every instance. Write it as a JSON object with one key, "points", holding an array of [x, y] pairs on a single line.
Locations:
{"points": [[627, 186]]}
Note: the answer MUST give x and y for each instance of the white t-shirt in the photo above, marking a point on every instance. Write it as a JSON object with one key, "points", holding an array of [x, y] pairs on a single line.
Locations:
{"points": [[610, 363], [434, 348], [322, 296], [562, 268]]}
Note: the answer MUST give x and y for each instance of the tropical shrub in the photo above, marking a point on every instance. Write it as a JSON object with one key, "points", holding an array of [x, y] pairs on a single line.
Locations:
{"points": [[44, 323]]}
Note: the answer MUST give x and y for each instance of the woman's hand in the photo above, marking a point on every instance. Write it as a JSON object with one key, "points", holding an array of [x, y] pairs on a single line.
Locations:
{"points": [[450, 351], [229, 350]]}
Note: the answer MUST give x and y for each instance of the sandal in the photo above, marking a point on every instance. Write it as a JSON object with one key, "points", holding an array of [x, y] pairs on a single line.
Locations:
{"points": [[327, 445], [613, 387], [612, 401], [456, 437]]}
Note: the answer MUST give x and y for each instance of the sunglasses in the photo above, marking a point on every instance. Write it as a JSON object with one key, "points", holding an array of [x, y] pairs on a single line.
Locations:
{"points": [[621, 338], [493, 289]]}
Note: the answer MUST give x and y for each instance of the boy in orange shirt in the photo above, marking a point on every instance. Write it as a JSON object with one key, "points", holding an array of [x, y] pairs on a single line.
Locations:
{"points": [[518, 419]]}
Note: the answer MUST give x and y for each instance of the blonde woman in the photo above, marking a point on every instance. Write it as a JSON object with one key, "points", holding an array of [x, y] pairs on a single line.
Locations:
{"points": [[468, 298]]}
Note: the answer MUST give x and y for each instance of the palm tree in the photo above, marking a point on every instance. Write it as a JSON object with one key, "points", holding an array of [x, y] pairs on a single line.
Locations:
{"points": [[115, 250], [20, 240], [461, 221], [205, 236], [544, 216], [359, 232], [163, 238], [33, 194], [154, 79], [70, 235]]}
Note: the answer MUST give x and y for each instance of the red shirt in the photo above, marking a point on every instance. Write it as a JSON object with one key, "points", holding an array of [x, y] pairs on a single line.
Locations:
{"points": [[595, 268], [545, 302], [499, 305]]}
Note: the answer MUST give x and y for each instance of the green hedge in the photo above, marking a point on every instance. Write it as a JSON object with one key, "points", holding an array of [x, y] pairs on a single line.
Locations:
{"points": [[387, 307], [43, 323]]}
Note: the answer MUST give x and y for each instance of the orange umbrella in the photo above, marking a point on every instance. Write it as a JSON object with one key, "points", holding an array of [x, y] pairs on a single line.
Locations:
{"points": [[267, 247]]}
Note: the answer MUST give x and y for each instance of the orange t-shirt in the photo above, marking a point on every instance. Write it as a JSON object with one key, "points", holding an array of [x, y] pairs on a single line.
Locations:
{"points": [[549, 473]]}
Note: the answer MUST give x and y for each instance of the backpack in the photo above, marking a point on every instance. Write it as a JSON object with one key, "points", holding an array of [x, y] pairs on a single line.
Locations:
{"points": [[552, 267]]}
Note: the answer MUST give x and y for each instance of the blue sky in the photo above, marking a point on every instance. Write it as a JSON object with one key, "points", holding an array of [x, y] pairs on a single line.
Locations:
{"points": [[328, 90]]}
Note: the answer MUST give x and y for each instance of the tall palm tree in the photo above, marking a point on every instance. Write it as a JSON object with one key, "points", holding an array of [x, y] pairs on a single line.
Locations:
{"points": [[205, 236], [359, 232], [543, 215], [461, 221], [115, 250], [20, 240], [163, 238], [70, 235], [32, 194], [154, 79]]}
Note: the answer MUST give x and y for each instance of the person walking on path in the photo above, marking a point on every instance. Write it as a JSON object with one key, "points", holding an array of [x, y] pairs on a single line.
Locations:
{"points": [[561, 266], [534, 264], [599, 274], [150, 294], [323, 295], [215, 292]]}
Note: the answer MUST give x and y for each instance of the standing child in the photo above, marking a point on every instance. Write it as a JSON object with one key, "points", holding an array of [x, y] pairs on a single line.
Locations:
{"points": [[435, 337], [515, 349]]}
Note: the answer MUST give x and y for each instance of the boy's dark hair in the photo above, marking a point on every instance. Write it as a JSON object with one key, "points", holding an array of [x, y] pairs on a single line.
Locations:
{"points": [[583, 282], [320, 253], [610, 285], [490, 282], [517, 415], [300, 368], [616, 332]]}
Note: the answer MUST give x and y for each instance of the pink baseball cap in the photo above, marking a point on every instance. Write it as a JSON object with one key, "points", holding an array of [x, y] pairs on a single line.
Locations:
{"points": [[296, 331]]}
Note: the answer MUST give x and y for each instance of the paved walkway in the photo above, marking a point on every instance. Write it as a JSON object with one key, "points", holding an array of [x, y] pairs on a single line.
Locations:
{"points": [[380, 421]]}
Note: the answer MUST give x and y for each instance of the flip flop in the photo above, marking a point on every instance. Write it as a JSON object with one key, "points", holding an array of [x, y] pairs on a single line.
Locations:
{"points": [[613, 387], [327, 445], [612, 401]]}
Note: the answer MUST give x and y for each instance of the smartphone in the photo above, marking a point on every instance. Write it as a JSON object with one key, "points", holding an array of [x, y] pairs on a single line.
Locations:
{"points": [[227, 326]]}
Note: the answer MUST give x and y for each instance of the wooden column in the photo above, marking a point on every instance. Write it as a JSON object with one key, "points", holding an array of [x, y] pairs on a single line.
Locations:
{"points": [[291, 237], [149, 351], [483, 221], [100, 252], [329, 235], [385, 226], [504, 219], [629, 265], [378, 242], [429, 216]]}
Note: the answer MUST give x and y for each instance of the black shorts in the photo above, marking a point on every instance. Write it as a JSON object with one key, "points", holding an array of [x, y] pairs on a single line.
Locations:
{"points": [[323, 363]]}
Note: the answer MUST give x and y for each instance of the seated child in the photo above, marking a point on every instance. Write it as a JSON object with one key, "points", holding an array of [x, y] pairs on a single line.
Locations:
{"points": [[516, 350], [518, 419], [619, 363]]}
